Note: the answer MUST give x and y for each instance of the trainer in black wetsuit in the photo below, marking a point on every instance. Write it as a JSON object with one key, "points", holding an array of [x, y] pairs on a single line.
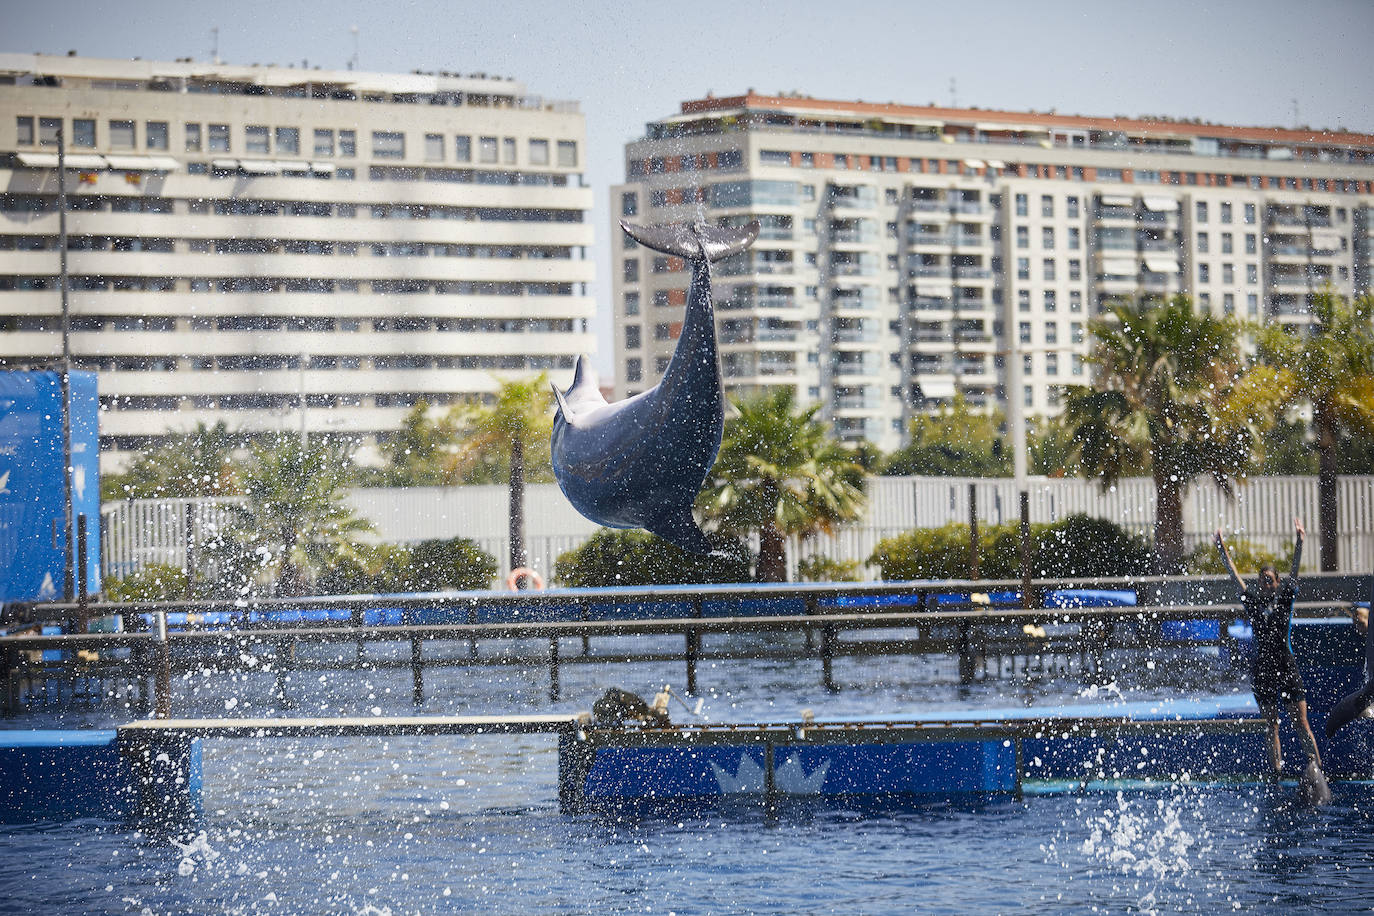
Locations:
{"points": [[1274, 674]]}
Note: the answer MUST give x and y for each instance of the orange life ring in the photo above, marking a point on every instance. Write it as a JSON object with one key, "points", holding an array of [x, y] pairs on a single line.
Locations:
{"points": [[513, 580]]}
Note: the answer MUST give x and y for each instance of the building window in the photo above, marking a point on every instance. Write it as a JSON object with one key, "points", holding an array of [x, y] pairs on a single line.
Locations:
{"points": [[154, 133], [192, 138], [288, 141], [1075, 269], [808, 160], [567, 154], [1228, 274], [1047, 238], [1250, 214], [539, 152], [24, 130], [1046, 205], [1204, 301], [388, 144], [486, 149], [1250, 243], [1071, 203], [1251, 274], [219, 138], [663, 331], [629, 204], [434, 147], [631, 270], [1023, 268], [1021, 205], [324, 142], [1027, 364], [508, 150], [121, 135], [1204, 273], [1075, 364], [632, 340], [1228, 303], [1051, 332], [1075, 238], [1226, 213], [1027, 398], [1202, 211], [462, 148], [83, 133], [255, 139], [1051, 300], [348, 143], [1023, 330], [1076, 331], [1075, 300], [631, 304], [48, 129], [1023, 300], [1048, 267], [1226, 246], [1022, 237], [1252, 305], [1202, 243], [634, 369], [1051, 363]]}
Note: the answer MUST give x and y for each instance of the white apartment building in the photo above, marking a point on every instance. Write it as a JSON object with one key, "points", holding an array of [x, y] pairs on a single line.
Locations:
{"points": [[285, 248], [908, 252]]}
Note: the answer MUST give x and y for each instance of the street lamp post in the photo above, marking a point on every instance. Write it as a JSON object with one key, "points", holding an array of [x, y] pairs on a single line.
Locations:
{"points": [[68, 585]]}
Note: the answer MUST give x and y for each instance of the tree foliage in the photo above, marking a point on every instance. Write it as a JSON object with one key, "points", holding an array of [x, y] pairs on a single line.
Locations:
{"points": [[1176, 397], [955, 441], [780, 473], [452, 564], [197, 463]]}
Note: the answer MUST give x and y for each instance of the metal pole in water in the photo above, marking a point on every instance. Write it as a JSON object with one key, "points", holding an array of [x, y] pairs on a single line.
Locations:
{"points": [[83, 613], [973, 531], [1027, 600], [162, 688]]}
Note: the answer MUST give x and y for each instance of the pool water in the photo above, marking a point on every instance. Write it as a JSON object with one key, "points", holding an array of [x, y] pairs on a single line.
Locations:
{"points": [[445, 825]]}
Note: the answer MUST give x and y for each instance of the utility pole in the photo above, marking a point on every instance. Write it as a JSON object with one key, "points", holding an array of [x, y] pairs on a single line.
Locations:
{"points": [[68, 572]]}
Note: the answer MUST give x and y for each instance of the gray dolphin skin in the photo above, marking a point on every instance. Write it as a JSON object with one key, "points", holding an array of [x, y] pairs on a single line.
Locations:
{"points": [[1313, 788], [1356, 704], [640, 462]]}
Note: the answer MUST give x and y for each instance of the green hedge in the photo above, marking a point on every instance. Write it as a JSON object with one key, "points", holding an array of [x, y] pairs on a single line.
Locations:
{"points": [[1075, 546], [427, 566], [634, 557]]}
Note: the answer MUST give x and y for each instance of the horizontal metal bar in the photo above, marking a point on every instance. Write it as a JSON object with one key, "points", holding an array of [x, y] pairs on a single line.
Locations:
{"points": [[392, 726]]}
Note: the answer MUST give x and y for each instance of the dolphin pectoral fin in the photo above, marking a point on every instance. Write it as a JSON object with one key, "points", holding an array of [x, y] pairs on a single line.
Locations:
{"points": [[1348, 710], [694, 241], [681, 529], [562, 403]]}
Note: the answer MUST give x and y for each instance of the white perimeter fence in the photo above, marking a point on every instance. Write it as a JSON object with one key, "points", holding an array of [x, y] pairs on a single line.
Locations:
{"points": [[139, 532]]}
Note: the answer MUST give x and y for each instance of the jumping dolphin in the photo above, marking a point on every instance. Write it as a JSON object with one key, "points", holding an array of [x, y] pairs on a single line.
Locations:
{"points": [[639, 463], [1358, 703]]}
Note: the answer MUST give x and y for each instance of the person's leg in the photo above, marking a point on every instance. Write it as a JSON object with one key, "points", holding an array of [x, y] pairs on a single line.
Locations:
{"points": [[1275, 747], [1298, 710]]}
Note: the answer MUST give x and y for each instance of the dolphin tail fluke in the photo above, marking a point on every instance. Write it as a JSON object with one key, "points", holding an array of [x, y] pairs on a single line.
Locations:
{"points": [[1312, 785], [681, 529], [694, 241], [1348, 710]]}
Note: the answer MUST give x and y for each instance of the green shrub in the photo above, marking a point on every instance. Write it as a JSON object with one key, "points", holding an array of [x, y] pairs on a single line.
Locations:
{"points": [[427, 566], [824, 569], [153, 582], [1247, 555], [633, 557], [1074, 546]]}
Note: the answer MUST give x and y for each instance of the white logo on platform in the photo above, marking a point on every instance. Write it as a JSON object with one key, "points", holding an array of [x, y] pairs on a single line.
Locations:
{"points": [[79, 481], [47, 589], [5, 483], [789, 778]]}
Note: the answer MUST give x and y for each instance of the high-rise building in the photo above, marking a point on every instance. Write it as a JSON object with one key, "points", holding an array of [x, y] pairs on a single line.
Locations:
{"points": [[909, 253], [287, 248]]}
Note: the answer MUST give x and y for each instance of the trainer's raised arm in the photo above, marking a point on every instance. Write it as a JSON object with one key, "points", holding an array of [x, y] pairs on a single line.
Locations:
{"points": [[1299, 534], [1226, 560]]}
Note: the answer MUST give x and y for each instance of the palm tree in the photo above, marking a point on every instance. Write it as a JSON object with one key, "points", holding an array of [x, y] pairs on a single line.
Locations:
{"points": [[1331, 366], [294, 518], [954, 441], [197, 463], [780, 473], [421, 453], [1174, 396], [509, 435]]}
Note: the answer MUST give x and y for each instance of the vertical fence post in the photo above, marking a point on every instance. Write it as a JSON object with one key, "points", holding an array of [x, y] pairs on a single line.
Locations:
{"points": [[83, 612], [973, 531], [162, 687], [554, 689], [1027, 554], [417, 677]]}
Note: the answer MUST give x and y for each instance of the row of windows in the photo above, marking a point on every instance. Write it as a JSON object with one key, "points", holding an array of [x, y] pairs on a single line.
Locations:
{"points": [[268, 140], [286, 246], [97, 283], [89, 323], [81, 203]]}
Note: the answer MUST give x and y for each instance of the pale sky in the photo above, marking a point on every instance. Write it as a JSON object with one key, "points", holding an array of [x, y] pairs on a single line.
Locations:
{"points": [[1233, 61]]}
